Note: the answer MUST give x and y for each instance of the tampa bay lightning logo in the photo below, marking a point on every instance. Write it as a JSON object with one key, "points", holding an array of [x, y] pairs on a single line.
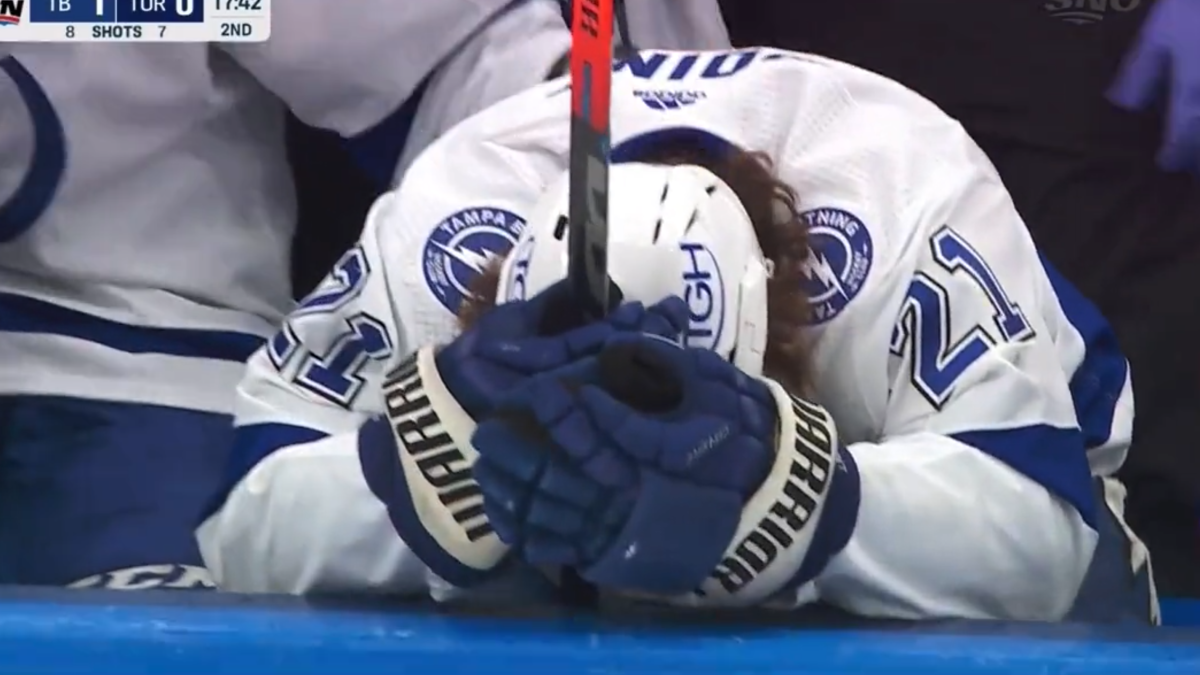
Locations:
{"points": [[839, 260], [48, 162], [461, 246]]}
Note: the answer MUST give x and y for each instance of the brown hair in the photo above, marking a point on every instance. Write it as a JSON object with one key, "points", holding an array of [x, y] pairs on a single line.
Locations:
{"points": [[782, 234]]}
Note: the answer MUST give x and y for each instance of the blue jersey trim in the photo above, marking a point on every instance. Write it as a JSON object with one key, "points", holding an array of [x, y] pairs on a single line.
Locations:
{"points": [[1053, 457], [377, 150], [1097, 384], [252, 444], [36, 191], [255, 442], [20, 314]]}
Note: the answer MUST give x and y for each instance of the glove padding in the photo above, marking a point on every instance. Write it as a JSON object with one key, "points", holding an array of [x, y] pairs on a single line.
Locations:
{"points": [[418, 458], [515, 340], [661, 470], [1166, 59]]}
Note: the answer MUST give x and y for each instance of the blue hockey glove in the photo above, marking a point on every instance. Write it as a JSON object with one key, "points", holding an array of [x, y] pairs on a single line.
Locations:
{"points": [[662, 470], [514, 340], [418, 457], [1166, 59]]}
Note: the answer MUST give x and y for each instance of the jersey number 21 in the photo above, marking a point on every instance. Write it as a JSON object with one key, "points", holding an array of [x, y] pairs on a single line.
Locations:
{"points": [[928, 328], [335, 374]]}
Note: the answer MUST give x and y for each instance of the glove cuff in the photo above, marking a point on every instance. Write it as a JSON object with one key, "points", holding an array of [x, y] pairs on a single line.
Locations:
{"points": [[779, 522], [419, 462]]}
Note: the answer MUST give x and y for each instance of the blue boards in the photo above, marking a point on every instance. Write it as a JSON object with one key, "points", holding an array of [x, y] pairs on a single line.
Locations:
{"points": [[182, 633]]}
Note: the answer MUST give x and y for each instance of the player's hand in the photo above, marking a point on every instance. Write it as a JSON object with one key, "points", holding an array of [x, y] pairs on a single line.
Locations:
{"points": [[432, 402], [515, 340], [1166, 59], [662, 470]]}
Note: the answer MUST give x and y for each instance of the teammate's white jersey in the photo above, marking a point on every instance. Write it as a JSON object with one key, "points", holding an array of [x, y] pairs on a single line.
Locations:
{"points": [[695, 24], [146, 205], [971, 385]]}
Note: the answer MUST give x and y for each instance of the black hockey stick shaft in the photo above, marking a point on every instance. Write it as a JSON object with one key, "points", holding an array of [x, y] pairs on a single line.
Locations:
{"points": [[591, 91], [587, 198]]}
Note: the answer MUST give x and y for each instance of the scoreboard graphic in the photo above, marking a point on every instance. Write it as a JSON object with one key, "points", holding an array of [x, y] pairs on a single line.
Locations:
{"points": [[135, 20]]}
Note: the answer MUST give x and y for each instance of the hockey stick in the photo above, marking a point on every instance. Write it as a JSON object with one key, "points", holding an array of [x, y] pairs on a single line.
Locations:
{"points": [[587, 211], [587, 197]]}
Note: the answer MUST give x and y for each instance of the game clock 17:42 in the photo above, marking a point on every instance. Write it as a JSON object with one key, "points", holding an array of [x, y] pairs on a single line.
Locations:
{"points": [[238, 5]]}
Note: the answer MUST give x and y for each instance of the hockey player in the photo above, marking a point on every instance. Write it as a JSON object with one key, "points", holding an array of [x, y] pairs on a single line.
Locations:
{"points": [[146, 212], [839, 371], [1081, 173]]}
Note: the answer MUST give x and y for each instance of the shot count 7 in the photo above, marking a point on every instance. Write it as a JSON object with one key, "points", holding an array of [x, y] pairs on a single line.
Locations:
{"points": [[135, 20]]}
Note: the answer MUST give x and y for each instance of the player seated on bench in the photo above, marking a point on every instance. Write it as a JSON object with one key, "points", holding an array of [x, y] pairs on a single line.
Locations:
{"points": [[837, 370]]}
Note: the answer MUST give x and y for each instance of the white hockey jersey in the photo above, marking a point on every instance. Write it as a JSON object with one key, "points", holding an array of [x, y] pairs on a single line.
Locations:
{"points": [[976, 391], [146, 206]]}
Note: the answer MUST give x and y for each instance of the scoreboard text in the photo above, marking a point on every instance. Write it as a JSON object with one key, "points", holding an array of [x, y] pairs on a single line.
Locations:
{"points": [[115, 11], [134, 20]]}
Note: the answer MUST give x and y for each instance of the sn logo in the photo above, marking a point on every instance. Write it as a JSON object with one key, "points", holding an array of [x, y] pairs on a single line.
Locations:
{"points": [[1082, 12], [11, 11]]}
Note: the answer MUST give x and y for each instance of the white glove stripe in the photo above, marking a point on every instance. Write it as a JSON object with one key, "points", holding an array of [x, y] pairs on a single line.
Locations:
{"points": [[433, 435]]}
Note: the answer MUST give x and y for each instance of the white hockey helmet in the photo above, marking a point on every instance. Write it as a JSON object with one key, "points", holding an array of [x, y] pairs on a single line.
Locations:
{"points": [[672, 230]]}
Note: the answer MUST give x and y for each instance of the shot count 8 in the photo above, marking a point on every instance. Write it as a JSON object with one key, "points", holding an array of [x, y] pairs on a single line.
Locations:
{"points": [[135, 20]]}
